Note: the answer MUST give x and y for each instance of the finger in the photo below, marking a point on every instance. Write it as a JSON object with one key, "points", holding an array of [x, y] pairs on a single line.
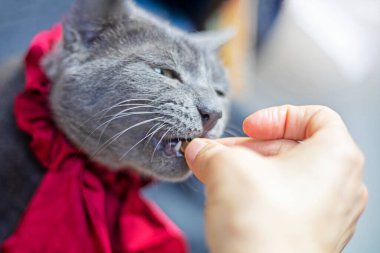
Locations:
{"points": [[265, 148], [197, 153], [345, 239], [211, 161], [290, 122], [361, 203], [358, 207]]}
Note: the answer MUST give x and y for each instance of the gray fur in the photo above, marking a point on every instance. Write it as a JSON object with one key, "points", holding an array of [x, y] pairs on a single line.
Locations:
{"points": [[107, 55], [110, 53]]}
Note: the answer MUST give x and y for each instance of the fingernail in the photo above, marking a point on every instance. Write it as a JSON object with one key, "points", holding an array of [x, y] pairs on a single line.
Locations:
{"points": [[193, 149]]}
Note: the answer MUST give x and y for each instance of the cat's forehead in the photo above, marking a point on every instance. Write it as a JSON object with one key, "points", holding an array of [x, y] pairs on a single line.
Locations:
{"points": [[160, 45], [146, 40], [156, 38]]}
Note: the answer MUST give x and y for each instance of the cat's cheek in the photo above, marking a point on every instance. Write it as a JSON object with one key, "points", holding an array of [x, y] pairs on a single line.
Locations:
{"points": [[172, 170]]}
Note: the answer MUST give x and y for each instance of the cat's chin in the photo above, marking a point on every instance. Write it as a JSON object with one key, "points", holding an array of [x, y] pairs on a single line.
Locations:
{"points": [[174, 179], [174, 175], [170, 148], [174, 170]]}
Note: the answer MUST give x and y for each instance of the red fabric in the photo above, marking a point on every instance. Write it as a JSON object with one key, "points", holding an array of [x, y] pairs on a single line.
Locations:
{"points": [[79, 206]]}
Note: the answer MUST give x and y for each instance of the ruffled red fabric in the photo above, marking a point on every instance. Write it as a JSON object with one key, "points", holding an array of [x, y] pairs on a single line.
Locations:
{"points": [[79, 206]]}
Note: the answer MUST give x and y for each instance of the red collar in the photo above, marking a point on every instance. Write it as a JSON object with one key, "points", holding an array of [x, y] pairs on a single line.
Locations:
{"points": [[79, 206]]}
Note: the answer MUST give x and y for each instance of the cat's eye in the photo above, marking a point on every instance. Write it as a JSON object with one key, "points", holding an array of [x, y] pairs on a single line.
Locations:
{"points": [[168, 73], [220, 93]]}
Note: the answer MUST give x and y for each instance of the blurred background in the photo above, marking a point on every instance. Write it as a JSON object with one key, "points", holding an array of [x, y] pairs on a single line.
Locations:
{"points": [[285, 52]]}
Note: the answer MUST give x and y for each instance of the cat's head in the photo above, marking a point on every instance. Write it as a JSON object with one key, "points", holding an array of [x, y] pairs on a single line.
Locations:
{"points": [[128, 88]]}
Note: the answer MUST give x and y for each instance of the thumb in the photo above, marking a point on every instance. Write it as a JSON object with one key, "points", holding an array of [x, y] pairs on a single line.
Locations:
{"points": [[202, 156]]}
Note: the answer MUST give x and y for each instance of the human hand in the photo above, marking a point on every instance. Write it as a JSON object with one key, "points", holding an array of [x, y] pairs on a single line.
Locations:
{"points": [[294, 186]]}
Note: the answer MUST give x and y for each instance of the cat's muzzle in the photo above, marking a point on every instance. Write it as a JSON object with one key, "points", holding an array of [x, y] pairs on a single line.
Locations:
{"points": [[172, 147]]}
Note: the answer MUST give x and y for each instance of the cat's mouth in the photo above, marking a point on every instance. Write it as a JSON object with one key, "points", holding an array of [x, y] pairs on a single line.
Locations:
{"points": [[171, 147]]}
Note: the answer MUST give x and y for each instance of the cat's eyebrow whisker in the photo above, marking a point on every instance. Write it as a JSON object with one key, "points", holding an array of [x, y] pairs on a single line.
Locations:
{"points": [[163, 136], [146, 136], [116, 136]]}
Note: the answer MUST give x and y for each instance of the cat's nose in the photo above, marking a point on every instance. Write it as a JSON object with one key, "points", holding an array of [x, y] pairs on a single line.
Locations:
{"points": [[210, 117]]}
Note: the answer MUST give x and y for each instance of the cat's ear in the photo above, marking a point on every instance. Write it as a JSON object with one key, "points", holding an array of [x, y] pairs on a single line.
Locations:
{"points": [[88, 18], [214, 40]]}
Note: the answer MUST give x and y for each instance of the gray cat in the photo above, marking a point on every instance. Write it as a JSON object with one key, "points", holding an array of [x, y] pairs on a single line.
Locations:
{"points": [[128, 89]]}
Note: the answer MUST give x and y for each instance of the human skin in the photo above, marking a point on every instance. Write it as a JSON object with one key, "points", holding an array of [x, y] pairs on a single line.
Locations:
{"points": [[294, 185]]}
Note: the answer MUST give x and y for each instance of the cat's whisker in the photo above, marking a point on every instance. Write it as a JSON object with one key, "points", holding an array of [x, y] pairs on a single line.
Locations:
{"points": [[146, 136], [163, 136], [152, 128], [151, 137], [178, 135], [188, 185], [234, 131], [166, 114], [120, 114], [116, 136], [231, 133], [234, 127], [121, 103]]}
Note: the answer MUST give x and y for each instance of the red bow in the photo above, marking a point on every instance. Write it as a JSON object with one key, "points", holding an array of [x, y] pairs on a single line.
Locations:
{"points": [[80, 206]]}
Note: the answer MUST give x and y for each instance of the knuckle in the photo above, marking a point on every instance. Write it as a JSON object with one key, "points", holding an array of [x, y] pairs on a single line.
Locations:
{"points": [[364, 196], [321, 110], [363, 200], [356, 157], [360, 159], [353, 157], [326, 109]]}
